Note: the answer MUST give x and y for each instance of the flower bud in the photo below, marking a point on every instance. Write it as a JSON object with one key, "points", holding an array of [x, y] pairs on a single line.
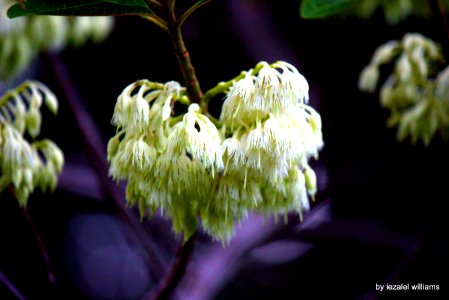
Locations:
{"points": [[368, 78], [310, 179], [33, 121], [51, 102], [56, 157], [28, 178], [387, 94], [36, 97], [113, 145]]}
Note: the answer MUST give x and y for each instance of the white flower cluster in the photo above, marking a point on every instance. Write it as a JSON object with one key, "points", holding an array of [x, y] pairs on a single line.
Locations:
{"points": [[21, 38], [27, 165], [184, 166], [416, 96]]}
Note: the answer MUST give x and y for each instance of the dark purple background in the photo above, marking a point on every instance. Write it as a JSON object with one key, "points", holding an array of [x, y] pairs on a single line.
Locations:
{"points": [[381, 214]]}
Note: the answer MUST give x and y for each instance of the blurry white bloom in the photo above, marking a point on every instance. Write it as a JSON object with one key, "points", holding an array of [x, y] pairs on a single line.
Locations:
{"points": [[368, 78], [385, 53], [26, 165], [22, 38], [414, 93]]}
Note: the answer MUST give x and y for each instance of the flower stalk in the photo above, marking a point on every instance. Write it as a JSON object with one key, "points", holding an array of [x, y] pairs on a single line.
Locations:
{"points": [[183, 56]]}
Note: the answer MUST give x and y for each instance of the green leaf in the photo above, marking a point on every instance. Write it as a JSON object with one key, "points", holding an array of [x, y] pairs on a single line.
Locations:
{"points": [[315, 9], [79, 8]]}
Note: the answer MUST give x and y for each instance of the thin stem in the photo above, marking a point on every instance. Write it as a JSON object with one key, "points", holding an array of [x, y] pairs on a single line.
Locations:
{"points": [[174, 275], [220, 88], [188, 12], [171, 5], [154, 3], [11, 287], [40, 243]]}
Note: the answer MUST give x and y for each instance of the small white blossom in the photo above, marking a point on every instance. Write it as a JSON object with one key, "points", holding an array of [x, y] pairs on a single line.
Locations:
{"points": [[137, 153], [171, 91], [36, 98], [294, 85], [268, 86], [122, 107], [140, 109], [197, 135]]}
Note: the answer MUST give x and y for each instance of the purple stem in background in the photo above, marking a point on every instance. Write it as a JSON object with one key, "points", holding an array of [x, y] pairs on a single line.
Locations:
{"points": [[209, 274], [40, 243], [173, 276], [11, 287], [97, 152]]}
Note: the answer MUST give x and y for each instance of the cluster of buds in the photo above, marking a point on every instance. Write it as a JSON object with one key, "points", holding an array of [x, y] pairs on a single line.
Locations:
{"points": [[186, 167], [22, 38], [414, 93], [25, 165]]}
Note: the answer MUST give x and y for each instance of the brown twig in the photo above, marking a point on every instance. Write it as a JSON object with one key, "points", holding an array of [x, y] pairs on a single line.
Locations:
{"points": [[173, 276], [40, 243], [183, 56]]}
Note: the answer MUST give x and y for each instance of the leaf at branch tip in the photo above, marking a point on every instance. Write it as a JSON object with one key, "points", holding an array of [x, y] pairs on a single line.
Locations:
{"points": [[79, 8], [315, 9]]}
